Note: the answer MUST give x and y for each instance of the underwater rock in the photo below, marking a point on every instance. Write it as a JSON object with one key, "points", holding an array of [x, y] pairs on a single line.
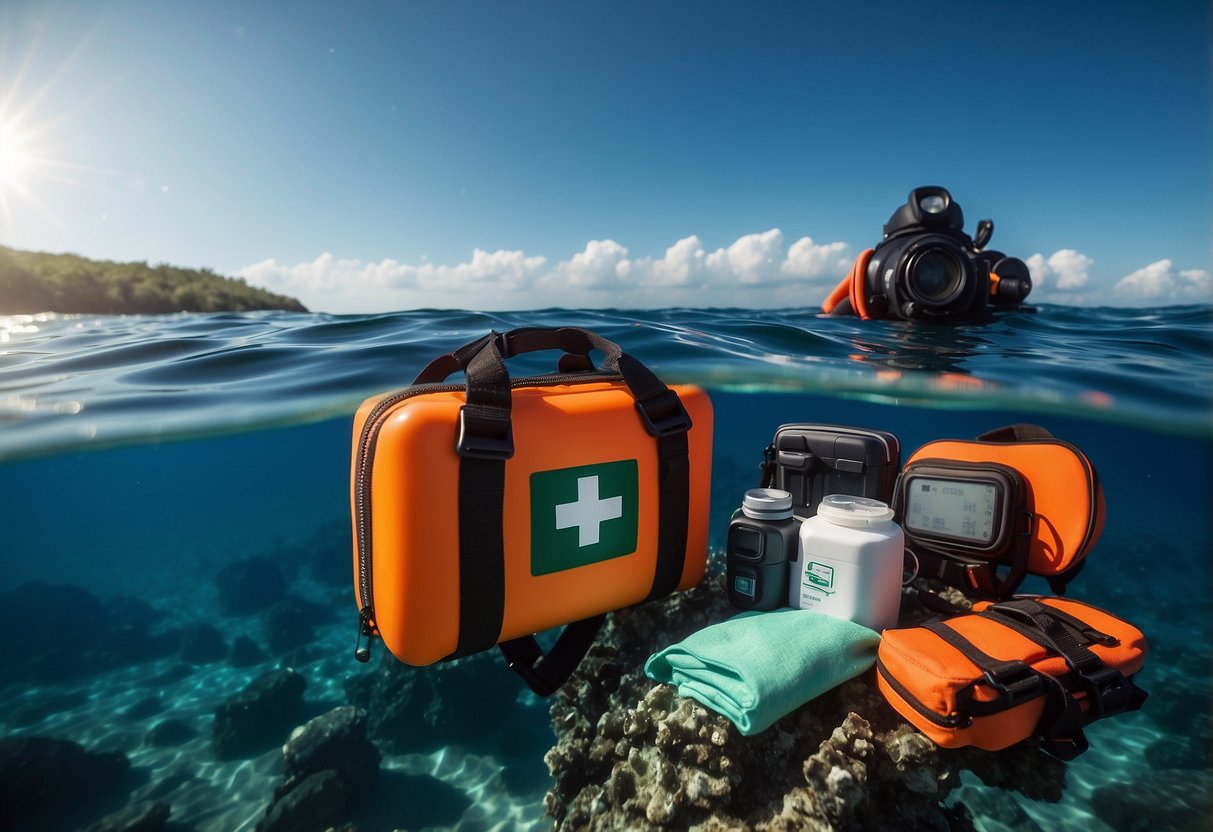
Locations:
{"points": [[246, 653], [144, 708], [48, 630], [169, 732], [633, 754], [148, 816], [334, 741], [260, 716], [41, 775], [327, 555], [1180, 752], [314, 805], [1167, 799], [1002, 808], [250, 585], [289, 623], [202, 644], [422, 708], [174, 674]]}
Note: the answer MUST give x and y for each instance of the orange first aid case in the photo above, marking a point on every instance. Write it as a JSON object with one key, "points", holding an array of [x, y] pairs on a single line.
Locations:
{"points": [[490, 509], [1029, 667]]}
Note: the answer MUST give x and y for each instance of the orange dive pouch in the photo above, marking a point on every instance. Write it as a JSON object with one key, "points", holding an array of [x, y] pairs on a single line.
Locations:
{"points": [[1028, 667], [494, 508], [981, 515]]}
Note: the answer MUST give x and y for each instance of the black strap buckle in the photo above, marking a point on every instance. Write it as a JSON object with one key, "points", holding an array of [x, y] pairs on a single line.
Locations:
{"points": [[1108, 691], [1014, 681], [484, 434], [505, 343], [663, 414]]}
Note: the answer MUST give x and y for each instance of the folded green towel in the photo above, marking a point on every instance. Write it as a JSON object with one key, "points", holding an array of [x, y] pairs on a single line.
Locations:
{"points": [[758, 666]]}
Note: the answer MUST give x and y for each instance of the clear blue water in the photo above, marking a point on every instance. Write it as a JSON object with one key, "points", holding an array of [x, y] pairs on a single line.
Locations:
{"points": [[141, 455]]}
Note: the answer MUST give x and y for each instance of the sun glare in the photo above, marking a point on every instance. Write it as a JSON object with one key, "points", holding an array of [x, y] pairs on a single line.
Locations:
{"points": [[17, 159]]}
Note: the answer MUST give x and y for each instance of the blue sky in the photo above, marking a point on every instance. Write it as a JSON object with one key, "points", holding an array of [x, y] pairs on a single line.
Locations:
{"points": [[493, 155]]}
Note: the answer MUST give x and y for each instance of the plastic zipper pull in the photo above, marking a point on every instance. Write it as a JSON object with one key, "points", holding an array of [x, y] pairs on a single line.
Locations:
{"points": [[363, 652]]}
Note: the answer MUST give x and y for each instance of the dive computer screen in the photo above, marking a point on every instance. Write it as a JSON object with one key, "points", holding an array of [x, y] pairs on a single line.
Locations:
{"points": [[953, 508]]}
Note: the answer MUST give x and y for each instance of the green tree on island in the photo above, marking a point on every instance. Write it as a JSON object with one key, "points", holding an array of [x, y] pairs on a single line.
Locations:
{"points": [[32, 282]]}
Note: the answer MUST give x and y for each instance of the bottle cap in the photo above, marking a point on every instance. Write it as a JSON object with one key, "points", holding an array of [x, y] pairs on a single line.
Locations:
{"points": [[767, 504], [859, 512]]}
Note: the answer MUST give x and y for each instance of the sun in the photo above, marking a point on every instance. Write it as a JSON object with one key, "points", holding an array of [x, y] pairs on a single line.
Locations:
{"points": [[17, 159]]}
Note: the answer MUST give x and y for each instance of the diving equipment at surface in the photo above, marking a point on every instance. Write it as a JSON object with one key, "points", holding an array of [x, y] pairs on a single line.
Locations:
{"points": [[927, 267]]}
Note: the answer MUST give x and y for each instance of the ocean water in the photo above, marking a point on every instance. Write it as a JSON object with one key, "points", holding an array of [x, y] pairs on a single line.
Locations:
{"points": [[140, 457]]}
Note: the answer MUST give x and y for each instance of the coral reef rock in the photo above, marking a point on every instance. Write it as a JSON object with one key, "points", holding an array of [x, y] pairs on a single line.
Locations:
{"points": [[632, 754]]}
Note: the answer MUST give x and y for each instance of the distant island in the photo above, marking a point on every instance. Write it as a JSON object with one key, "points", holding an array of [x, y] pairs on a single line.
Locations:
{"points": [[32, 282]]}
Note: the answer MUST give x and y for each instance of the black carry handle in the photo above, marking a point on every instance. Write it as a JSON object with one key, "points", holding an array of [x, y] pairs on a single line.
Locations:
{"points": [[485, 441], [1021, 432], [457, 360]]}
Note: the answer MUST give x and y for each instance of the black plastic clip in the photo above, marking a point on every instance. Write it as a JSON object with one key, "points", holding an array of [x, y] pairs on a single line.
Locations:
{"points": [[505, 343], [484, 434], [1014, 681], [1108, 691], [663, 414]]}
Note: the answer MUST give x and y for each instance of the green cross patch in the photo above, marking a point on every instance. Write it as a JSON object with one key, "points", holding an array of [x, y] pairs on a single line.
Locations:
{"points": [[583, 515]]}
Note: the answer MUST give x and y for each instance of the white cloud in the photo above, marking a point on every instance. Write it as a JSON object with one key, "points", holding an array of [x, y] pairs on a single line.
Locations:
{"points": [[753, 259], [1159, 282], [601, 265], [809, 259], [753, 271], [1065, 270]]}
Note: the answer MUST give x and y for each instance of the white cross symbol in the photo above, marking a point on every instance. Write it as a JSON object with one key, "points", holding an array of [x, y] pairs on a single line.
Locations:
{"points": [[588, 513]]}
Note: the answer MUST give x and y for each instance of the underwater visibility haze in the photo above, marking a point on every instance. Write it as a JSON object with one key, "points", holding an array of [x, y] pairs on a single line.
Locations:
{"points": [[177, 536]]}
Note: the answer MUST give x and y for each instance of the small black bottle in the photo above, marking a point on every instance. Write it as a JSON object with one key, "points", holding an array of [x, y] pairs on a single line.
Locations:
{"points": [[763, 536]]}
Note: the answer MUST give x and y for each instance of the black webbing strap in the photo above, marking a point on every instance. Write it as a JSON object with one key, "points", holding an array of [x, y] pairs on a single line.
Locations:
{"points": [[768, 467], [1108, 691], [485, 441], [1015, 682], [546, 674], [1022, 432]]}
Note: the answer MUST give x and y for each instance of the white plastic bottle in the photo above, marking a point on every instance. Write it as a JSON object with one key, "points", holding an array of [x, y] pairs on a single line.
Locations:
{"points": [[850, 562]]}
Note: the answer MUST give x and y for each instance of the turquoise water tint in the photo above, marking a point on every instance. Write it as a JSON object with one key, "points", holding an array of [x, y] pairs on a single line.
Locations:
{"points": [[142, 457]]}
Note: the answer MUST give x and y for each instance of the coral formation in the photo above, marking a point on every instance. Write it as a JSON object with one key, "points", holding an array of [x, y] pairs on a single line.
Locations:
{"points": [[632, 754]]}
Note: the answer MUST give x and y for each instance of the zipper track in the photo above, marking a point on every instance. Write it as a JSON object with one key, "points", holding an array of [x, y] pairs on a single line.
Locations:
{"points": [[947, 721], [365, 464]]}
